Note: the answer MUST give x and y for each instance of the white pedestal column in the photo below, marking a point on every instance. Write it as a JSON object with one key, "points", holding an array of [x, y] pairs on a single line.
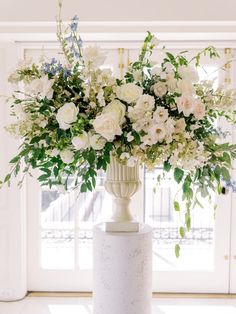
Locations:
{"points": [[122, 271]]}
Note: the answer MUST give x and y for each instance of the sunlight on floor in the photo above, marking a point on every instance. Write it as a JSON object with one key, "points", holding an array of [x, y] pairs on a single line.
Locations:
{"points": [[74, 305], [195, 309], [70, 309]]}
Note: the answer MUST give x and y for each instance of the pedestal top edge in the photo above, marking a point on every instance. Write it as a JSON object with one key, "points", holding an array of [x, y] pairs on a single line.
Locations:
{"points": [[144, 228]]}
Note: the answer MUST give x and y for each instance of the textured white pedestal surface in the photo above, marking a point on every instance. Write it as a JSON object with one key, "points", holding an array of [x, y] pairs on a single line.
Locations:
{"points": [[122, 271]]}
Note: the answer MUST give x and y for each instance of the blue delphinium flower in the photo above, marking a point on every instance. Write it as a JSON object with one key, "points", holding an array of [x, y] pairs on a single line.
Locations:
{"points": [[52, 67], [74, 23]]}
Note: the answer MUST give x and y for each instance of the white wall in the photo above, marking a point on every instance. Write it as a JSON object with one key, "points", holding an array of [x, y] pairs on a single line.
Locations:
{"points": [[13, 283], [119, 10]]}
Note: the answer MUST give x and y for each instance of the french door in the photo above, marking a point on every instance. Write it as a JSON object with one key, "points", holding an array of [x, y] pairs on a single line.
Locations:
{"points": [[60, 225]]}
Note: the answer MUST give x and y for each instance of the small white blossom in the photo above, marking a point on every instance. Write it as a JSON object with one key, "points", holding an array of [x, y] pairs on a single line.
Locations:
{"points": [[97, 142], [41, 86]]}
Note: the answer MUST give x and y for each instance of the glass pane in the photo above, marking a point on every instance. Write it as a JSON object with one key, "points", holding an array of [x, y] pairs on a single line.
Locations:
{"points": [[69, 216], [197, 248]]}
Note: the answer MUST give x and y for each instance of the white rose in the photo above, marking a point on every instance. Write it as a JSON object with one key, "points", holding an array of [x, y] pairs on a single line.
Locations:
{"points": [[186, 104], [188, 73], [117, 109], [185, 87], [66, 115], [107, 126], [199, 110], [41, 86], [93, 56], [160, 89], [129, 92], [97, 142], [67, 156], [145, 102], [81, 141]]}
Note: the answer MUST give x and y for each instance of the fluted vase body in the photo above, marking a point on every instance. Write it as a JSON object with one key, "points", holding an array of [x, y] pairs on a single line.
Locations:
{"points": [[122, 182]]}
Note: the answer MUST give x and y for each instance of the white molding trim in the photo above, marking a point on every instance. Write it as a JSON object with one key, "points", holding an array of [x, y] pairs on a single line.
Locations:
{"points": [[127, 30]]}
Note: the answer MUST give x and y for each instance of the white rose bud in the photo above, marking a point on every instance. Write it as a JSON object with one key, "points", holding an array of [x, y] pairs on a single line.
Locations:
{"points": [[81, 141], [67, 156], [97, 142], [66, 115]]}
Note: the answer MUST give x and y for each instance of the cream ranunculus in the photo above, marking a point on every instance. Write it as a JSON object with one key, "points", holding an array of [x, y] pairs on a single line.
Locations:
{"points": [[160, 89], [67, 156], [186, 104], [117, 109], [145, 102], [129, 92], [97, 142], [157, 133], [81, 141], [66, 115], [160, 114], [41, 86], [107, 126]]}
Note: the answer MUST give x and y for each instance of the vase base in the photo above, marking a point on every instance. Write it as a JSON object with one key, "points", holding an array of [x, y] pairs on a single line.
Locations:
{"points": [[126, 226]]}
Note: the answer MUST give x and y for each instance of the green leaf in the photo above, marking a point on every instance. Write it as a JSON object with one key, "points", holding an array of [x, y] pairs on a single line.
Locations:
{"points": [[176, 206], [182, 232], [167, 166], [177, 250], [43, 177], [188, 220], [7, 177], [227, 158], [83, 188], [225, 174], [55, 171], [137, 138], [47, 171], [178, 175], [14, 160], [89, 186]]}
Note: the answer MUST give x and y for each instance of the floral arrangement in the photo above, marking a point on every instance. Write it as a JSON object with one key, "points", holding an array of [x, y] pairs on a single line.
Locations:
{"points": [[70, 117]]}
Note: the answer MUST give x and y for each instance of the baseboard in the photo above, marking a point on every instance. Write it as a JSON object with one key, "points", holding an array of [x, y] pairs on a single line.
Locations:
{"points": [[155, 295]]}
